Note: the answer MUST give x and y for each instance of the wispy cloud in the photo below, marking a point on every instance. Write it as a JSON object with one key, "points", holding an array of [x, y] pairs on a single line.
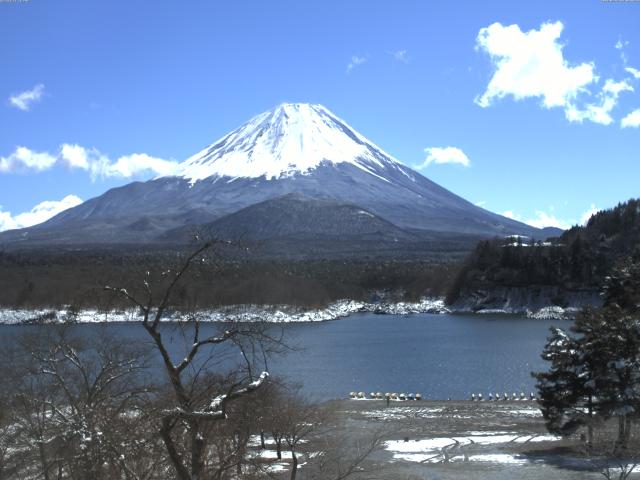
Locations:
{"points": [[38, 214], [620, 45], [632, 120], [443, 155], [544, 219], [90, 160], [600, 112], [356, 61], [24, 100], [400, 56], [532, 65]]}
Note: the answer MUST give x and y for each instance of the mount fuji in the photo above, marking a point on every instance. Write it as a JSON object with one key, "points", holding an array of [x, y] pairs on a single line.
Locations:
{"points": [[291, 175]]}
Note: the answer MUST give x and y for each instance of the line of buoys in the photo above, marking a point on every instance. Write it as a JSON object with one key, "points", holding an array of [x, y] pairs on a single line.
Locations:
{"points": [[383, 396], [497, 397], [514, 397]]}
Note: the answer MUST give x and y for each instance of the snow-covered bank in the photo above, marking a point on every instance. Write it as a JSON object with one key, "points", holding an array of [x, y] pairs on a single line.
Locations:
{"points": [[234, 313], [540, 302], [281, 313]]}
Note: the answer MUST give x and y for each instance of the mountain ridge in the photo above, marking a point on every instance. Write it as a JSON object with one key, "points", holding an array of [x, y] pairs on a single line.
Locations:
{"points": [[293, 149]]}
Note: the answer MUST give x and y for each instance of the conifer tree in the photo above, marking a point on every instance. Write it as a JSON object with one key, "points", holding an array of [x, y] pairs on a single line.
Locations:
{"points": [[567, 389]]}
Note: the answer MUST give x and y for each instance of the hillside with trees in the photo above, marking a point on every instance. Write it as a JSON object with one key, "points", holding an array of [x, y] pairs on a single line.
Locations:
{"points": [[566, 271]]}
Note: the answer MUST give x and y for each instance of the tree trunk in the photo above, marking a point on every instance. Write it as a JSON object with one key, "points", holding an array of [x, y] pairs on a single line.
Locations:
{"points": [[262, 439], [627, 431], [279, 449], [590, 425], [294, 465], [165, 432], [43, 461], [621, 442], [197, 452]]}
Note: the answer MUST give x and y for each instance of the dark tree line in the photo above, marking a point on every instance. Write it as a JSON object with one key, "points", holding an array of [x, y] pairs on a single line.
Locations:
{"points": [[41, 279], [580, 259]]}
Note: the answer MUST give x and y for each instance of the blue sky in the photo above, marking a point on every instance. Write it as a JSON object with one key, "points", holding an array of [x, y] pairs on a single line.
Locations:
{"points": [[529, 108]]}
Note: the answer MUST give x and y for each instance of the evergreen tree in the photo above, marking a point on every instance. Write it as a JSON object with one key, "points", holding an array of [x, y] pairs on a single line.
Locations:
{"points": [[595, 374], [567, 389]]}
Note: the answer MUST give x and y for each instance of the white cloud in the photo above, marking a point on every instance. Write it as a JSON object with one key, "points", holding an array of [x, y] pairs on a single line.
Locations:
{"points": [[444, 155], [511, 215], [531, 64], [541, 220], [600, 112], [130, 165], [633, 71], [38, 214], [544, 219], [356, 61], [75, 156], [89, 159], [401, 56], [632, 120], [24, 158], [584, 218], [24, 100]]}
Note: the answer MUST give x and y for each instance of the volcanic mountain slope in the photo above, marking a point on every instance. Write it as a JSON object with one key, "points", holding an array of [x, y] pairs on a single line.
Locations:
{"points": [[294, 149]]}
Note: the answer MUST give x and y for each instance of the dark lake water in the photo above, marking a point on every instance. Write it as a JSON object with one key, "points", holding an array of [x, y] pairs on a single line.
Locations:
{"points": [[440, 356]]}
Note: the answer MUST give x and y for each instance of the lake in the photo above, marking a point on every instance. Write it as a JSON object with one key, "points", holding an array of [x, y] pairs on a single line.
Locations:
{"points": [[439, 356]]}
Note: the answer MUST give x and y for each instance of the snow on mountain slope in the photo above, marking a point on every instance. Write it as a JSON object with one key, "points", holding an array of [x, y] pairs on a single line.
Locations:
{"points": [[297, 149], [292, 138]]}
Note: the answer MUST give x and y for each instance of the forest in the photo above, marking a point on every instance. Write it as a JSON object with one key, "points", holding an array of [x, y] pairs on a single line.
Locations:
{"points": [[580, 259]]}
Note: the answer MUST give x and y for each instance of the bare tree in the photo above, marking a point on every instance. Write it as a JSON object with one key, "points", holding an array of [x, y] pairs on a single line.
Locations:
{"points": [[194, 404], [76, 404], [347, 455], [302, 419]]}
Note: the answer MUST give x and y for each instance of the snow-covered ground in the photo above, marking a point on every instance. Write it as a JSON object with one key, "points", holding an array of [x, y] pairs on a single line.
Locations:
{"points": [[435, 450], [234, 313], [266, 313]]}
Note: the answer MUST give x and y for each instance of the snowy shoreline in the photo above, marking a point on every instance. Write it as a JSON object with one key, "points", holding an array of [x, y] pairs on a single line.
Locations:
{"points": [[232, 313], [269, 313]]}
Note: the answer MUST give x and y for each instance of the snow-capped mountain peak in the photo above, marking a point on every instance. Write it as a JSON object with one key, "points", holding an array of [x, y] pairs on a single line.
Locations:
{"points": [[293, 138]]}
